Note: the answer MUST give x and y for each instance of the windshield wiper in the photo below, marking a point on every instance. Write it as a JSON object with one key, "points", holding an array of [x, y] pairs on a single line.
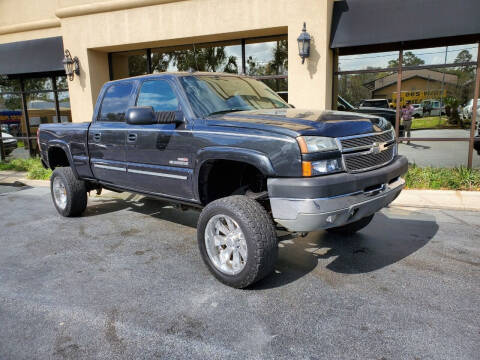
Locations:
{"points": [[225, 111]]}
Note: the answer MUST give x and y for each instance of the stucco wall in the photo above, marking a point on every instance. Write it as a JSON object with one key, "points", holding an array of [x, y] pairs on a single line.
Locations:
{"points": [[91, 29]]}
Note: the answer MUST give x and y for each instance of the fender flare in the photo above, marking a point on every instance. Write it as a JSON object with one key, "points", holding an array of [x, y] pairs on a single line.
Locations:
{"points": [[66, 149], [252, 157]]}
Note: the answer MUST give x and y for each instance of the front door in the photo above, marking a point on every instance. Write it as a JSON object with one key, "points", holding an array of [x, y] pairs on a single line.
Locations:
{"points": [[107, 135], [158, 156]]}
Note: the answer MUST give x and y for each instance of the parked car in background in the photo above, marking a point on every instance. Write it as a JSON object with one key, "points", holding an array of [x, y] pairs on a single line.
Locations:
{"points": [[9, 143], [417, 111], [229, 145], [468, 110], [432, 107], [375, 103], [388, 114]]}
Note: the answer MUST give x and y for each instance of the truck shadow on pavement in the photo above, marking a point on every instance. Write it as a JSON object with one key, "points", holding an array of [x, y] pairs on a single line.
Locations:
{"points": [[332, 257], [391, 236]]}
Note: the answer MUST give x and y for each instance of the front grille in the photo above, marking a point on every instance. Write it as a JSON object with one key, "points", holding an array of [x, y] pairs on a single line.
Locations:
{"points": [[356, 162], [366, 140]]}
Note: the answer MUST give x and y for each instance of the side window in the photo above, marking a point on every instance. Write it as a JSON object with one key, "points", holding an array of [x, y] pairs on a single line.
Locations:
{"points": [[158, 94], [115, 102]]}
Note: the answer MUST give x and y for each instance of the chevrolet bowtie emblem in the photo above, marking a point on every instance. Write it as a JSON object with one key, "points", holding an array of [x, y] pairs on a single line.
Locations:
{"points": [[378, 147]]}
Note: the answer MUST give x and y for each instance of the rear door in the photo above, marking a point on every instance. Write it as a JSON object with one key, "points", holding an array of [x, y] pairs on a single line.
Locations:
{"points": [[159, 156], [107, 135]]}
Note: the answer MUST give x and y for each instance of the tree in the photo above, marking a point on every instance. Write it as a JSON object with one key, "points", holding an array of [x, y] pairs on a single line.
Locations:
{"points": [[464, 56], [409, 59], [212, 59]]}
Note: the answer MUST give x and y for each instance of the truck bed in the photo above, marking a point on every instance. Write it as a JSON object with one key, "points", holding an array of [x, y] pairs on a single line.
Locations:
{"points": [[72, 138]]}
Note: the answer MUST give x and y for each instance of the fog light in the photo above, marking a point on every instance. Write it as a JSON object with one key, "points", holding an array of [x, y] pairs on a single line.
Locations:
{"points": [[326, 166]]}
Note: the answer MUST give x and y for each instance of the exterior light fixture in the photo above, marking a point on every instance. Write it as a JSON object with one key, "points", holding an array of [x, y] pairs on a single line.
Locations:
{"points": [[72, 66], [304, 43]]}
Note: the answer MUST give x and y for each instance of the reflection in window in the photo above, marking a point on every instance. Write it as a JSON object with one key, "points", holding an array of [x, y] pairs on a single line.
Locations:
{"points": [[159, 95], [216, 94], [62, 83], [129, 63], [371, 61], [224, 58], [115, 102], [41, 106], [267, 58]]}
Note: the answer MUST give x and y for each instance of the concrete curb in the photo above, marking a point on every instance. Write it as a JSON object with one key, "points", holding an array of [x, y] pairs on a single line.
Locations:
{"points": [[433, 199], [439, 199], [9, 177]]}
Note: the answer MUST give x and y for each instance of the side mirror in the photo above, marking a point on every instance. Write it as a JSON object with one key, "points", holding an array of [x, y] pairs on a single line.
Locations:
{"points": [[141, 115]]}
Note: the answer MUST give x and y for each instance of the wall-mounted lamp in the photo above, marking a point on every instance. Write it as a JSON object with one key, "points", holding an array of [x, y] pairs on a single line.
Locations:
{"points": [[304, 43], [72, 66]]}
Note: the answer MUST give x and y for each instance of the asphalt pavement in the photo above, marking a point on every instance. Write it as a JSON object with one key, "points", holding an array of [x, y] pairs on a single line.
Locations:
{"points": [[439, 153], [125, 281]]}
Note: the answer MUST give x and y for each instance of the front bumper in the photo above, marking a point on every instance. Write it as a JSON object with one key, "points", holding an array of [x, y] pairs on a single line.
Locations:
{"points": [[363, 194]]}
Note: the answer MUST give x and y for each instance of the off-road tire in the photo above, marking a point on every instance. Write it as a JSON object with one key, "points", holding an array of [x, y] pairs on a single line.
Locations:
{"points": [[353, 227], [76, 192], [259, 232]]}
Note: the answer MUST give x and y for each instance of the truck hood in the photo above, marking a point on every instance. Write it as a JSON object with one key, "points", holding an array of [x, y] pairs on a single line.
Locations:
{"points": [[295, 122]]}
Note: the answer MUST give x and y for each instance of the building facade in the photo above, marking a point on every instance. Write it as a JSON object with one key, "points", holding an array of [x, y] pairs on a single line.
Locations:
{"points": [[357, 52], [105, 34]]}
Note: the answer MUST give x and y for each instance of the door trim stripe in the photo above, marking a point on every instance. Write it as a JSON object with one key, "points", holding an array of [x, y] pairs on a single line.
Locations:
{"points": [[181, 177], [110, 167]]}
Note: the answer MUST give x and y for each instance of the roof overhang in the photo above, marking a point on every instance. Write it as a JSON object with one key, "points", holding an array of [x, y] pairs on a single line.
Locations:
{"points": [[32, 56], [361, 26]]}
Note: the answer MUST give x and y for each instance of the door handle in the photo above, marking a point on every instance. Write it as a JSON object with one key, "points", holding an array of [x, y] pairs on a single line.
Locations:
{"points": [[132, 137], [97, 136]]}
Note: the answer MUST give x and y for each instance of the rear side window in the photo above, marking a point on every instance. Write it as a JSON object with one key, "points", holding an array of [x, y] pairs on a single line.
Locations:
{"points": [[158, 94], [115, 102]]}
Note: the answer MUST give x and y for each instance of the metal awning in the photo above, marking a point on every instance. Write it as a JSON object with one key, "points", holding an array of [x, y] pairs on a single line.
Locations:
{"points": [[31, 56], [360, 26]]}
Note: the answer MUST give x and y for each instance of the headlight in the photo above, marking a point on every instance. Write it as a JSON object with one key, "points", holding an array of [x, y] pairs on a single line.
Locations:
{"points": [[311, 144], [326, 166]]}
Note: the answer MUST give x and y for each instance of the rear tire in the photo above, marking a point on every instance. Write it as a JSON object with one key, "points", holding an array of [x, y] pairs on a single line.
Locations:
{"points": [[237, 240], [353, 227], [69, 194]]}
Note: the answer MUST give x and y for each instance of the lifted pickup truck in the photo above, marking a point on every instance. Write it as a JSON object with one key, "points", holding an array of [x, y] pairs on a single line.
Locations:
{"points": [[230, 145]]}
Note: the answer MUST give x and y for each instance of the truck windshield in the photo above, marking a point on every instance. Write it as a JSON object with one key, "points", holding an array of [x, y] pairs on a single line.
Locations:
{"points": [[218, 94]]}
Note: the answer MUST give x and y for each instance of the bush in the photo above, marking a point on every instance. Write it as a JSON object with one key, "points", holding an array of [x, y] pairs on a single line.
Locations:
{"points": [[32, 165], [459, 178]]}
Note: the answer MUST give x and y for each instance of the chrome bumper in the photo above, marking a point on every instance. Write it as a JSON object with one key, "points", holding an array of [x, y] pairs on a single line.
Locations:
{"points": [[313, 214]]}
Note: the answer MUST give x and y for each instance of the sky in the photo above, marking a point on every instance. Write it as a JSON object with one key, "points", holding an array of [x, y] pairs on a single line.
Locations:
{"points": [[430, 56]]}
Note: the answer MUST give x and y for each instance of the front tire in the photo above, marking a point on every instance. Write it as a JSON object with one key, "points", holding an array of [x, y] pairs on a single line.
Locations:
{"points": [[353, 227], [69, 194], [237, 240]]}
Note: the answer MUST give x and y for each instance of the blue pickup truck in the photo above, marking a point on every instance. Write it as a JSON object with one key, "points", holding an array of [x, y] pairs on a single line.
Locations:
{"points": [[228, 145]]}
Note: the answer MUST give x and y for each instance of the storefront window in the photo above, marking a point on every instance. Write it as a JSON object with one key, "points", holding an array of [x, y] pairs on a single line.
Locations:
{"points": [[265, 58], [40, 96], [437, 86], [218, 57], [129, 63]]}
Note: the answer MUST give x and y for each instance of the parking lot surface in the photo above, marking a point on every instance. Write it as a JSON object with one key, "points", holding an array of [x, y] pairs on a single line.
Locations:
{"points": [[125, 281]]}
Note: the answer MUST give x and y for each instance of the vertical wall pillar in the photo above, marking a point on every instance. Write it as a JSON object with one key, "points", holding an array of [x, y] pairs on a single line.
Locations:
{"points": [[310, 84], [473, 125], [399, 92]]}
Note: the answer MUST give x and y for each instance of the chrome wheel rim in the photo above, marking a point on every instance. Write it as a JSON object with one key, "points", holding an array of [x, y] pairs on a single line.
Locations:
{"points": [[59, 193], [226, 244]]}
